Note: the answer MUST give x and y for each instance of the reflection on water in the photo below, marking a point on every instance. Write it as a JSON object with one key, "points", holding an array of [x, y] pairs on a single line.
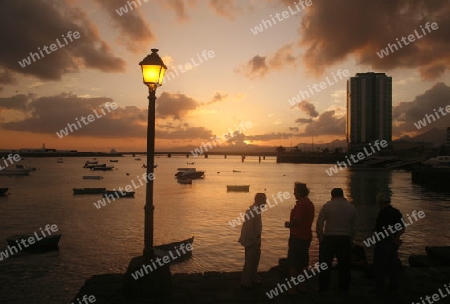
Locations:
{"points": [[365, 184], [101, 241]]}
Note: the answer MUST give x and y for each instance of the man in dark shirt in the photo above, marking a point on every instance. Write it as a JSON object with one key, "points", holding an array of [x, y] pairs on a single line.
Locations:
{"points": [[386, 260]]}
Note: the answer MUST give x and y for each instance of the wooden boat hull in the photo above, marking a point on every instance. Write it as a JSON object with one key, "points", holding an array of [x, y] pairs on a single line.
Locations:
{"points": [[50, 242], [102, 168], [89, 190], [14, 173], [92, 177], [238, 188], [185, 181], [113, 193], [173, 250]]}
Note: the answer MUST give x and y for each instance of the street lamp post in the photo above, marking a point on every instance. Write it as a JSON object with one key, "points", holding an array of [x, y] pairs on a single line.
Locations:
{"points": [[153, 69], [157, 282]]}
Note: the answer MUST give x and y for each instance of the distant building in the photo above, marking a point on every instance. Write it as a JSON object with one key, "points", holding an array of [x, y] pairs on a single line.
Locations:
{"points": [[369, 109]]}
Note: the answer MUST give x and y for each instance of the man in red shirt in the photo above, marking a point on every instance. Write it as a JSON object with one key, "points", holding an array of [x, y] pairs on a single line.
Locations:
{"points": [[302, 217]]}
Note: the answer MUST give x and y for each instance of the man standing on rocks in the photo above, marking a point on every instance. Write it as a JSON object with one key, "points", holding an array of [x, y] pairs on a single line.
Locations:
{"points": [[251, 240], [385, 256], [336, 238]]}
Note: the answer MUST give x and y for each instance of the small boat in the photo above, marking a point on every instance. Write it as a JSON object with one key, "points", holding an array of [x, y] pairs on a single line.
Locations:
{"points": [[440, 161], [174, 251], [90, 166], [118, 194], [103, 168], [190, 173], [90, 162], [3, 191], [89, 190], [185, 181], [49, 242], [238, 188], [17, 170], [92, 177], [190, 163], [138, 158], [113, 160], [234, 171]]}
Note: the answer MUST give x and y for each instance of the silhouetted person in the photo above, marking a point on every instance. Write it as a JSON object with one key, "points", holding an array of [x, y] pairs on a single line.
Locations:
{"points": [[301, 219], [251, 240], [340, 219], [385, 256]]}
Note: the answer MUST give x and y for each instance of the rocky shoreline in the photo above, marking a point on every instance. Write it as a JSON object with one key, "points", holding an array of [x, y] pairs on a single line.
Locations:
{"points": [[224, 287]]}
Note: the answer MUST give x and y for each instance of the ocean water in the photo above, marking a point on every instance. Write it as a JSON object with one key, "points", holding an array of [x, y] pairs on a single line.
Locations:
{"points": [[96, 241]]}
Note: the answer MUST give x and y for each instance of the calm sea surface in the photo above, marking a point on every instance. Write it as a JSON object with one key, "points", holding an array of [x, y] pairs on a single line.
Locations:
{"points": [[97, 241]]}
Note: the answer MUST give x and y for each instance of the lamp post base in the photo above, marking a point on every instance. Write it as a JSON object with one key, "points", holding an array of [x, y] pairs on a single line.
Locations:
{"points": [[144, 281]]}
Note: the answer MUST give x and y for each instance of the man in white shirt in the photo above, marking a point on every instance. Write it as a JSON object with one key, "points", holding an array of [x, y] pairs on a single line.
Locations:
{"points": [[336, 238], [251, 240]]}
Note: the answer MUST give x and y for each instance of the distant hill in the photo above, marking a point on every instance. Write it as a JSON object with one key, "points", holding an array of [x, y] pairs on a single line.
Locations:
{"points": [[435, 136]]}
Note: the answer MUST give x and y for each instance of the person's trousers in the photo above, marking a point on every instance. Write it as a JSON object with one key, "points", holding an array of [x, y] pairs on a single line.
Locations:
{"points": [[252, 256], [341, 246], [386, 263]]}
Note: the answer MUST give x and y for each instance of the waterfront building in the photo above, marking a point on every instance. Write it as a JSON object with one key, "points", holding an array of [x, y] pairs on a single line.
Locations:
{"points": [[369, 109]]}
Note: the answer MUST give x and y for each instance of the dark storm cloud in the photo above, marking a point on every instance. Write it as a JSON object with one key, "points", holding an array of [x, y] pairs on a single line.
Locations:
{"points": [[225, 8], [259, 66], [27, 25], [326, 124], [271, 136], [333, 31], [304, 120], [7, 77], [406, 114], [179, 6], [218, 97], [135, 32], [186, 133], [174, 105], [52, 113], [308, 108], [17, 102]]}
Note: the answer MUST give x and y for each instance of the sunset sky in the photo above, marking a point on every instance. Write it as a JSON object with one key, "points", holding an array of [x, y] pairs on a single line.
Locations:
{"points": [[250, 78]]}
